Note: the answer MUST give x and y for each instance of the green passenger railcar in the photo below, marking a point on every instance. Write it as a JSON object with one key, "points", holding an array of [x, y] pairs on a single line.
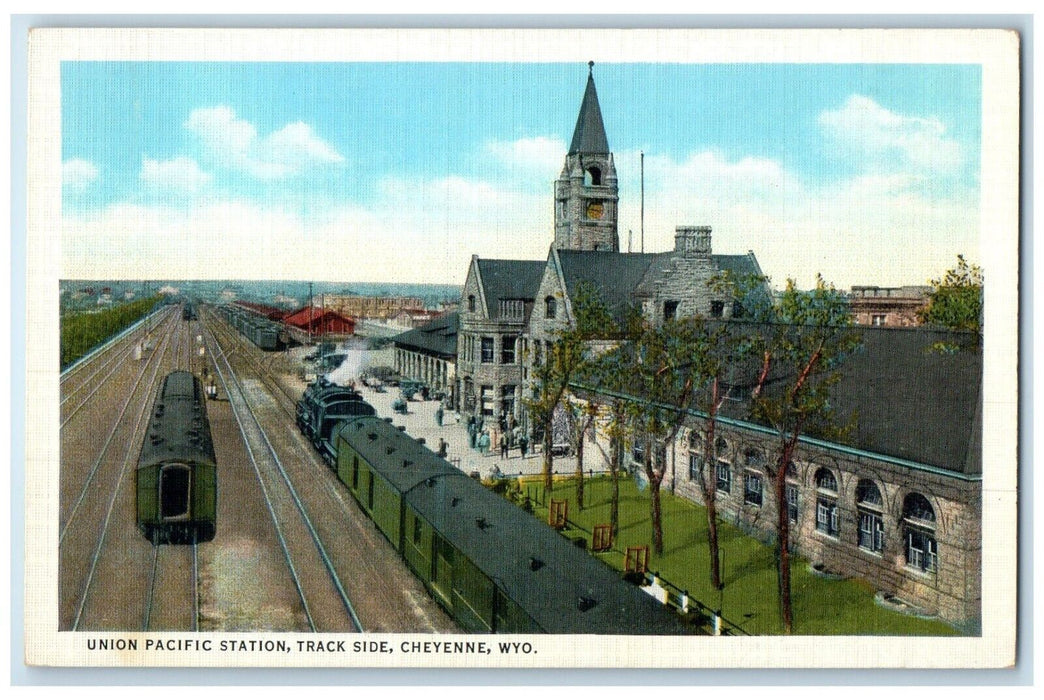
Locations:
{"points": [[493, 567], [176, 477]]}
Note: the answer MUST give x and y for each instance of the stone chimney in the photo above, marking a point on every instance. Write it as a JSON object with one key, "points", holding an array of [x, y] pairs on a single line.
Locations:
{"points": [[693, 240]]}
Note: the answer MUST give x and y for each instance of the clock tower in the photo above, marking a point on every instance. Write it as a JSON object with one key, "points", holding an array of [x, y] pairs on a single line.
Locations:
{"points": [[586, 192]]}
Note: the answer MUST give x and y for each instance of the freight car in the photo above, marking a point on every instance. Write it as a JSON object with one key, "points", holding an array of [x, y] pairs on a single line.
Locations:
{"points": [[493, 567], [262, 332], [322, 408], [188, 313], [176, 477]]}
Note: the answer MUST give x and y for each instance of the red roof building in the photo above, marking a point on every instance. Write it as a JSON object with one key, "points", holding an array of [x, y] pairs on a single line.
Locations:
{"points": [[316, 321]]}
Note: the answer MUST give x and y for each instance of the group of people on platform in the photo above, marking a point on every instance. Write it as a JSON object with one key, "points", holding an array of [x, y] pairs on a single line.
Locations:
{"points": [[496, 435]]}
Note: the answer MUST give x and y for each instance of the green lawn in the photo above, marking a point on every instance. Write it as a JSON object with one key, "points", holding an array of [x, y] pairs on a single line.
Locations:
{"points": [[749, 599]]}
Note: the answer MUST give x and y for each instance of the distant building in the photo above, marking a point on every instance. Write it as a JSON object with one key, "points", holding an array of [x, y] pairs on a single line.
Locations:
{"points": [[428, 354], [269, 312], [311, 323], [362, 307], [888, 306], [412, 318]]}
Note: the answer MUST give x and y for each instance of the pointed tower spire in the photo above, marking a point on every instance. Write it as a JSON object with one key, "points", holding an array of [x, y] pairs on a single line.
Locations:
{"points": [[587, 191], [589, 134]]}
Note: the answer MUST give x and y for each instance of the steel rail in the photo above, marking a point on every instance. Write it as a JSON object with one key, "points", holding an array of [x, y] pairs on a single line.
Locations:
{"points": [[146, 410], [349, 608], [97, 386], [264, 490]]}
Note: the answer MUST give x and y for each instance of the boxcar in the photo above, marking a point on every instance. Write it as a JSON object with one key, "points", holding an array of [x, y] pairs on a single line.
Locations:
{"points": [[176, 476]]}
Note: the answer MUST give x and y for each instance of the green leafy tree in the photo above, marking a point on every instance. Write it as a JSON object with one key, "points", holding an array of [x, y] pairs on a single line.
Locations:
{"points": [[564, 359], [653, 389], [805, 338], [955, 302], [581, 418]]}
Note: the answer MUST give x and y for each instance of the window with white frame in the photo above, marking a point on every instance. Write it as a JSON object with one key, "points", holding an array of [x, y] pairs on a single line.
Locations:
{"points": [[487, 350], [487, 400], [752, 488], [695, 466], [507, 349], [792, 494], [828, 517], [870, 506], [724, 476], [922, 551]]}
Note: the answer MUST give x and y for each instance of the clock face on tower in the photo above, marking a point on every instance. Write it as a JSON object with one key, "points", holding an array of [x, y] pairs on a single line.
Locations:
{"points": [[595, 210]]}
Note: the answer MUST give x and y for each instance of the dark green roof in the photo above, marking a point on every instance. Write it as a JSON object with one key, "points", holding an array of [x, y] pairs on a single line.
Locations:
{"points": [[904, 398], [614, 276], [509, 279], [619, 277], [178, 427], [437, 337], [403, 461], [537, 568]]}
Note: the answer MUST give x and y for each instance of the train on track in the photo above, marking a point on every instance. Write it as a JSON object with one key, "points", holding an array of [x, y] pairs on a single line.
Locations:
{"points": [[175, 482], [262, 332], [323, 407], [489, 564]]}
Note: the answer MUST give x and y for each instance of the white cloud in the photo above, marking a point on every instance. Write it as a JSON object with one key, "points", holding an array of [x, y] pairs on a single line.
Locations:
{"points": [[539, 153], [178, 176], [880, 138], [880, 228], [234, 144], [78, 174]]}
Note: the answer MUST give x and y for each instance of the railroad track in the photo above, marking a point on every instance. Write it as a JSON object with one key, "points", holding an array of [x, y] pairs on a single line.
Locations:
{"points": [[318, 594], [105, 487], [84, 372], [359, 551]]}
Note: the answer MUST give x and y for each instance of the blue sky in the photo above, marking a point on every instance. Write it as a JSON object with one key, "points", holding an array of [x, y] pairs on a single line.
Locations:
{"points": [[866, 173]]}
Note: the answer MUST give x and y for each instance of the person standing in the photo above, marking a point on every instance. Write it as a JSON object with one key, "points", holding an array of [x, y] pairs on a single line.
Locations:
{"points": [[523, 445]]}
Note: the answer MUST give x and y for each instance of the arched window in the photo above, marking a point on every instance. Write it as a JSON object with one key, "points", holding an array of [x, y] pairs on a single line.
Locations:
{"points": [[695, 441], [828, 517], [592, 176], [550, 307], [922, 552], [471, 302], [721, 446], [870, 506], [754, 458]]}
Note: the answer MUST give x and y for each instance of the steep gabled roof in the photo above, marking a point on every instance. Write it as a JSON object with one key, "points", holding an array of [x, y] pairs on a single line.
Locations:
{"points": [[589, 134], [620, 278], [508, 279], [615, 276]]}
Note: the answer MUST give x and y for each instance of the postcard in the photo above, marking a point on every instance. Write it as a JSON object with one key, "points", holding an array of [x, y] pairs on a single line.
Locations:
{"points": [[522, 348]]}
